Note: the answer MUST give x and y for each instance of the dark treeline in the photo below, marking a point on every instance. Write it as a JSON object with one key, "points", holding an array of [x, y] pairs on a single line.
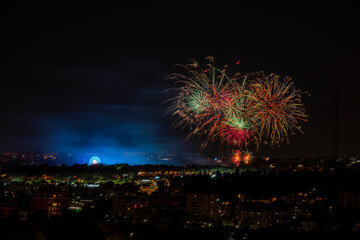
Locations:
{"points": [[209, 179], [116, 168]]}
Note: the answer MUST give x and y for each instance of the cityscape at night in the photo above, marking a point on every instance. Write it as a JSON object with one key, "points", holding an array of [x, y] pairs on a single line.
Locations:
{"points": [[145, 120]]}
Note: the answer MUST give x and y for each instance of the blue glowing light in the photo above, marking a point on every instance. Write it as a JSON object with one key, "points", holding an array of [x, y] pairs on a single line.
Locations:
{"points": [[94, 161]]}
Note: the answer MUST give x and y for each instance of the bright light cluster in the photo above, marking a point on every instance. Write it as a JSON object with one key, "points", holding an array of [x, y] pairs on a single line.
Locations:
{"points": [[94, 161]]}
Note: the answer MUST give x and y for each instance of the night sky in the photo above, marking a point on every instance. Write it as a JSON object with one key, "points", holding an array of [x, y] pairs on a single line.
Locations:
{"points": [[89, 78]]}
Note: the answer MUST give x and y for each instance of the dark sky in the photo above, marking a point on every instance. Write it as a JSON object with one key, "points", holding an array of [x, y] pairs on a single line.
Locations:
{"points": [[82, 77]]}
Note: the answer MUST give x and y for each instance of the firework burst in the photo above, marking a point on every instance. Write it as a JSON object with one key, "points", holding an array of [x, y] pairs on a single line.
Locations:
{"points": [[210, 104], [274, 106], [236, 109], [241, 158]]}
